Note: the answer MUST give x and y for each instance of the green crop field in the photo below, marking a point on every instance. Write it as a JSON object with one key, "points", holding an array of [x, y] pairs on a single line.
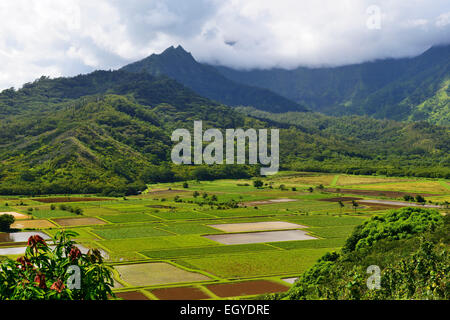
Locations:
{"points": [[166, 225]]}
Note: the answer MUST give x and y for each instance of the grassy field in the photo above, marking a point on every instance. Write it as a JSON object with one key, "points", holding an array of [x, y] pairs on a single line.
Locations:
{"points": [[157, 239]]}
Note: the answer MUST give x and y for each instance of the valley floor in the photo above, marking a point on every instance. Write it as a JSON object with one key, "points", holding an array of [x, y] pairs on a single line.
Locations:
{"points": [[221, 239]]}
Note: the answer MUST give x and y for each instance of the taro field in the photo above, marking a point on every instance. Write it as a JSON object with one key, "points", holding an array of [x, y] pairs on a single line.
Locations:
{"points": [[221, 239]]}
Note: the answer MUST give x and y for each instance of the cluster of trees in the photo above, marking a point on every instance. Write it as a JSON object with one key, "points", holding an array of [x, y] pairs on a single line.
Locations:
{"points": [[395, 225]]}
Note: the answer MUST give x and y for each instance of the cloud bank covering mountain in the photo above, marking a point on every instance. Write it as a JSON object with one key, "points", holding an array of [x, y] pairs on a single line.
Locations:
{"points": [[56, 38]]}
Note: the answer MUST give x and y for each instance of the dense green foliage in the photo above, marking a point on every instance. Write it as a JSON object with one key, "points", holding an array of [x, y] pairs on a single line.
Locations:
{"points": [[409, 245], [178, 64], [359, 144], [108, 132], [45, 272], [392, 88], [6, 220], [395, 225], [72, 135]]}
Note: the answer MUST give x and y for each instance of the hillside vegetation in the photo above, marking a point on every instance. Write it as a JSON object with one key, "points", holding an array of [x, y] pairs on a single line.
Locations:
{"points": [[109, 132], [390, 88], [409, 245]]}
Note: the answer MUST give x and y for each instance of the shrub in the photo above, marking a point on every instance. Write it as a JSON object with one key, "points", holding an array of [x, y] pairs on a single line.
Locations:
{"points": [[397, 224], [258, 184], [6, 221], [46, 273], [420, 199]]}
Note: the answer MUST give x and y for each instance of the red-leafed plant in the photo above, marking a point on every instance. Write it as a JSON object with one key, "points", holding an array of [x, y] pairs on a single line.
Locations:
{"points": [[59, 271]]}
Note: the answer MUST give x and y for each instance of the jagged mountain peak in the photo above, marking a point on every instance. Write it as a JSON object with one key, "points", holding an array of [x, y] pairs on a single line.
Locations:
{"points": [[179, 64]]}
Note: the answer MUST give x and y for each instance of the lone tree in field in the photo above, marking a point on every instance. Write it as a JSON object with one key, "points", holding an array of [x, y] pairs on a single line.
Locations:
{"points": [[341, 205], [355, 205], [6, 221], [420, 199], [60, 272], [408, 197], [258, 184]]}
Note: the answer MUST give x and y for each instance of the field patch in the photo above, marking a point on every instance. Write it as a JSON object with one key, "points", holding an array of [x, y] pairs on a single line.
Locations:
{"points": [[175, 215], [69, 199], [260, 237], [410, 186], [337, 199], [254, 264], [248, 288], [204, 251], [15, 215], [181, 293], [310, 244], [32, 224], [397, 204], [379, 193], [307, 179], [347, 180], [66, 222], [45, 214], [142, 231], [20, 236], [327, 221], [290, 280], [256, 226], [148, 274], [157, 243], [271, 201], [129, 217], [132, 295], [341, 232], [185, 228]]}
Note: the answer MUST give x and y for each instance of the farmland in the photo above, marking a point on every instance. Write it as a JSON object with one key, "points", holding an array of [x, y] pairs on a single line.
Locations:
{"points": [[163, 243]]}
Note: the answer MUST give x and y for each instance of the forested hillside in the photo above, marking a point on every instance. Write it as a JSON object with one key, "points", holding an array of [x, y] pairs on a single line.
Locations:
{"points": [[360, 144], [391, 88], [180, 65], [109, 132], [410, 247]]}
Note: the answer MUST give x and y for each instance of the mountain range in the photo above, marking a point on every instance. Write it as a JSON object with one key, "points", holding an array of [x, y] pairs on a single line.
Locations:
{"points": [[180, 65], [390, 88], [408, 89], [109, 132]]}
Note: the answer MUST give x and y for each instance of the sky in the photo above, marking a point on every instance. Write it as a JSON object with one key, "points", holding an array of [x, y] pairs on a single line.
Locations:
{"points": [[69, 37]]}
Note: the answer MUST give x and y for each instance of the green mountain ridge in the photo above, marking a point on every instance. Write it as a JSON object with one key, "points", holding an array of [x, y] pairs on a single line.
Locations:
{"points": [[390, 88], [180, 65], [109, 132]]}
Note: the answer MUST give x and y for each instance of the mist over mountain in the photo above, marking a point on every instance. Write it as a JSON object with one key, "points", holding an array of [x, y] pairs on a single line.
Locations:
{"points": [[407, 89], [400, 89]]}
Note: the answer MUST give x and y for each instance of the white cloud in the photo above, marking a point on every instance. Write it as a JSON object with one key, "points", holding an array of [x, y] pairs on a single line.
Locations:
{"points": [[68, 37]]}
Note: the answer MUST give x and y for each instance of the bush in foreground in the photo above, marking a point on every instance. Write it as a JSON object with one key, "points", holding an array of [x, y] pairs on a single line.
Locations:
{"points": [[411, 248], [59, 272]]}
